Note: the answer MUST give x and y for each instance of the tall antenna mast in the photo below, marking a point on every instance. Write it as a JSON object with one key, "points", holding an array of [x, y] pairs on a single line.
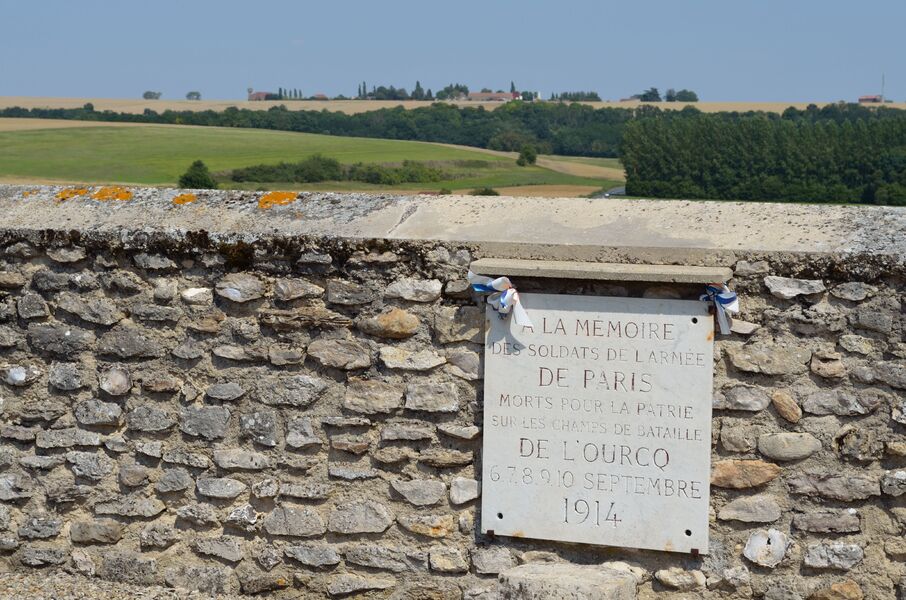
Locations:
{"points": [[882, 87]]}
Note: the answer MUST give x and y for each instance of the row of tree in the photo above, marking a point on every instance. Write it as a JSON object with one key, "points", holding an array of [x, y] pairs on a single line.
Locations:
{"points": [[576, 97], [671, 95], [846, 156], [152, 95]]}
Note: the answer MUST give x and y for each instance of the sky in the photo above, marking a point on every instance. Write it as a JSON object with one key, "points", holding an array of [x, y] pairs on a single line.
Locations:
{"points": [[769, 50]]}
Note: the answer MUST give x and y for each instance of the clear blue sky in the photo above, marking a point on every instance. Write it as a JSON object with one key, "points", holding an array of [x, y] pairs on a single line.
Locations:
{"points": [[769, 50]]}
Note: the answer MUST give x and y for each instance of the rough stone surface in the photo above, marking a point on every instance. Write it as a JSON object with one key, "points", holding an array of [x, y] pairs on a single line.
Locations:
{"points": [[788, 446], [394, 324], [340, 354], [767, 548], [161, 394], [787, 287], [432, 396], [370, 396], [751, 509], [294, 522], [539, 581], [365, 516], [739, 474], [420, 492], [833, 556]]}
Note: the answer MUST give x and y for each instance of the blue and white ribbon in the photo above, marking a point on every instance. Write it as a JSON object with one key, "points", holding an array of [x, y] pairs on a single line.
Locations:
{"points": [[726, 304], [502, 297]]}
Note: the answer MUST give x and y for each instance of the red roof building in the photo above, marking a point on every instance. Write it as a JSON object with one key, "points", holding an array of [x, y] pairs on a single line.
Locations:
{"points": [[870, 99], [258, 96]]}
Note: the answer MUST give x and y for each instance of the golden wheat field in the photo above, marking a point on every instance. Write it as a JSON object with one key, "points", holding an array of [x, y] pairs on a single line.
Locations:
{"points": [[358, 106]]}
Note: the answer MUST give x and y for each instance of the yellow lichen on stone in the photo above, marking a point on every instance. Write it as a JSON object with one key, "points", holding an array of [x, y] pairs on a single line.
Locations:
{"points": [[184, 199], [271, 199], [112, 192], [69, 193]]}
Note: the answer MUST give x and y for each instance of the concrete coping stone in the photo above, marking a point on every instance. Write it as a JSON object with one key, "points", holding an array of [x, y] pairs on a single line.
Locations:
{"points": [[561, 269]]}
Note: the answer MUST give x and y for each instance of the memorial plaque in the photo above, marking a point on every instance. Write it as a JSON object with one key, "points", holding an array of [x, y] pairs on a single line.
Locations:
{"points": [[597, 422]]}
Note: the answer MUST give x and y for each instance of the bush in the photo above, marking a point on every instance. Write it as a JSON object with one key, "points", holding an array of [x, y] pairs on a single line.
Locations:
{"points": [[321, 168], [313, 169], [445, 191], [485, 191], [527, 155], [198, 177]]}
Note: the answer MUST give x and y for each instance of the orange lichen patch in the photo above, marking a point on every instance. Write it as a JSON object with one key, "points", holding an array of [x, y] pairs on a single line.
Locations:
{"points": [[272, 199], [112, 192], [69, 193], [27, 193], [185, 199]]}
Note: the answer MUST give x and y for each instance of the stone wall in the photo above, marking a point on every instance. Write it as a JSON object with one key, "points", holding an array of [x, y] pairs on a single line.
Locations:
{"points": [[302, 416]]}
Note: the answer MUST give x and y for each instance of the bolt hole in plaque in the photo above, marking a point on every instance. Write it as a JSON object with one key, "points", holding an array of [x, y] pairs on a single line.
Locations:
{"points": [[695, 319], [688, 533], [499, 515]]}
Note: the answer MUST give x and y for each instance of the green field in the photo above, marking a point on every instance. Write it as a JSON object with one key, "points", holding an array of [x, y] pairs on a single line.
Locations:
{"points": [[158, 155]]}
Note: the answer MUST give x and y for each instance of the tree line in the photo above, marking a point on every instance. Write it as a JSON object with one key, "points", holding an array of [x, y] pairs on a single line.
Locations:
{"points": [[550, 128], [842, 153]]}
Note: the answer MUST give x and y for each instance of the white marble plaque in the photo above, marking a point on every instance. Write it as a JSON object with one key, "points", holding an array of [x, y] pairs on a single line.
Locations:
{"points": [[597, 422]]}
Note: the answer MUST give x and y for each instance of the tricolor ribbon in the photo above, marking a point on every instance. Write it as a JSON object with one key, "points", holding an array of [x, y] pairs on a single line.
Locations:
{"points": [[726, 304], [502, 297]]}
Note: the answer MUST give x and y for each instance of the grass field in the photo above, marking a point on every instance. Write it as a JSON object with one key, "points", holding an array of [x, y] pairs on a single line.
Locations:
{"points": [[158, 154], [357, 106]]}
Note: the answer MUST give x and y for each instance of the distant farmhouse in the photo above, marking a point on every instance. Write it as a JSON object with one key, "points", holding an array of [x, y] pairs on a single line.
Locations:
{"points": [[493, 96], [871, 99], [260, 96]]}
